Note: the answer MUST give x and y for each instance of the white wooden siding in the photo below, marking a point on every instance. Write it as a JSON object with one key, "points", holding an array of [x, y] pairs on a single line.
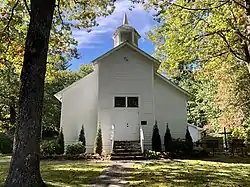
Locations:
{"points": [[79, 106], [124, 72], [170, 107]]}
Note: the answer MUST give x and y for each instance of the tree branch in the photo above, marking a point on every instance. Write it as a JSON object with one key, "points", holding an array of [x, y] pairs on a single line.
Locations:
{"points": [[238, 3], [59, 12], [236, 54], [11, 16], [196, 9], [27, 7]]}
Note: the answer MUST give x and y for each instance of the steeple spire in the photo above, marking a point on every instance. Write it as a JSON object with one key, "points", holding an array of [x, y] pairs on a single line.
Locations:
{"points": [[126, 33], [125, 19]]}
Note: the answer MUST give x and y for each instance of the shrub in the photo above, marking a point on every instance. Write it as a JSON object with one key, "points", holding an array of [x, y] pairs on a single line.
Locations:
{"points": [[82, 136], [149, 154], [156, 139], [188, 141], [60, 143], [48, 147], [75, 149], [168, 140], [6, 143], [98, 140]]}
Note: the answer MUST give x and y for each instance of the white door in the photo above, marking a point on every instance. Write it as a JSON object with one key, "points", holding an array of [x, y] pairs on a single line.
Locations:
{"points": [[126, 124]]}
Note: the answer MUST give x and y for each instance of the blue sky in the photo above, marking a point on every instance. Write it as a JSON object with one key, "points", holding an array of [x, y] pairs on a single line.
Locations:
{"points": [[97, 42]]}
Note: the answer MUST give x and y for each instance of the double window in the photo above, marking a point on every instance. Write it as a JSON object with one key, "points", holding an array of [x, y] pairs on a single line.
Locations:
{"points": [[129, 102]]}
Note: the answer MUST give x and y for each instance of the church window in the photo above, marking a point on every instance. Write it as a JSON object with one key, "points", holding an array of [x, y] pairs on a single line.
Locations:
{"points": [[133, 102], [120, 101]]}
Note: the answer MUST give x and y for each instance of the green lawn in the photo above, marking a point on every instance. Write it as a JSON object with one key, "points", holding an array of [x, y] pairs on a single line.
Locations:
{"points": [[66, 174], [190, 173], [4, 158]]}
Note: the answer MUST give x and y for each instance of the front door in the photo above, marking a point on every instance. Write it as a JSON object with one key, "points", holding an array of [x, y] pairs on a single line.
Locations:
{"points": [[126, 124]]}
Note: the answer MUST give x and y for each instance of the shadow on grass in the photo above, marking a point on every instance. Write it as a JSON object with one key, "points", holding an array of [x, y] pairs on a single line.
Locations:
{"points": [[229, 159], [190, 173], [64, 174]]}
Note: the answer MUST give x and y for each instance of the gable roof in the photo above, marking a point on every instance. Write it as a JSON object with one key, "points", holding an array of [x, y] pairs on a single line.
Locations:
{"points": [[156, 62], [196, 127], [58, 95], [173, 84]]}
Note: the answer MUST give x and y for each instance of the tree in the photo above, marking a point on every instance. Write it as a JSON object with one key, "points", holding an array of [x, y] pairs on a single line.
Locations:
{"points": [[188, 141], [210, 38], [25, 166], [98, 140], [167, 140], [82, 136], [60, 142], [156, 139], [198, 26]]}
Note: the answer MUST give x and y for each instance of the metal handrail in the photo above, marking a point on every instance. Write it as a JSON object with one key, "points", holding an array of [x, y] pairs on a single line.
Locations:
{"points": [[112, 137], [142, 139]]}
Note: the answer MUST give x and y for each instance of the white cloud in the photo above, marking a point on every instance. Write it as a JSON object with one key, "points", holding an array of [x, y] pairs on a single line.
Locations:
{"points": [[138, 18]]}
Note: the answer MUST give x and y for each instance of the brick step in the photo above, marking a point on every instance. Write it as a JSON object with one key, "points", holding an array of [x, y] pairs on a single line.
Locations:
{"points": [[127, 158]]}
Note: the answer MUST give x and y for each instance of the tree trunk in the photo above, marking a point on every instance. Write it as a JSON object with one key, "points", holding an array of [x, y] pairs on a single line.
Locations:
{"points": [[25, 163], [247, 3]]}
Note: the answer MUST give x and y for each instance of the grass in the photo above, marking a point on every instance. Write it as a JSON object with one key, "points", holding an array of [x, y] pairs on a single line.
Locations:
{"points": [[66, 174], [190, 173], [4, 158]]}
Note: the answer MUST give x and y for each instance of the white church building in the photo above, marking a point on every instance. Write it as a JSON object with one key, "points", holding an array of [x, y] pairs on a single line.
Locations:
{"points": [[125, 95]]}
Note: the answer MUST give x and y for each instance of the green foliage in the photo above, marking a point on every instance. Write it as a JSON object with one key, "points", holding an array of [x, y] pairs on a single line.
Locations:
{"points": [[48, 147], [203, 46], [60, 143], [178, 146], [75, 148], [6, 143], [98, 140], [167, 140], [62, 49], [82, 136], [156, 139], [149, 154], [188, 141]]}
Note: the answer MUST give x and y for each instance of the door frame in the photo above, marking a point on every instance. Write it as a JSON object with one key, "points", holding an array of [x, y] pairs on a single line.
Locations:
{"points": [[120, 122]]}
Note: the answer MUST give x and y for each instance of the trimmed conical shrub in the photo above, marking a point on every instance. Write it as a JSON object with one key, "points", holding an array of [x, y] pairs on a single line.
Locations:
{"points": [[98, 140], [60, 143], [82, 136], [156, 139], [188, 141], [168, 140]]}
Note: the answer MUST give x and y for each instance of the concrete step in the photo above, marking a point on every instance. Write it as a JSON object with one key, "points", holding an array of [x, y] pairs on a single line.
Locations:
{"points": [[126, 147], [127, 158], [127, 154], [126, 150]]}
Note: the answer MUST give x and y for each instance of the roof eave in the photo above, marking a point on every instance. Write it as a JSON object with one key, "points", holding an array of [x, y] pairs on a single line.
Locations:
{"points": [[173, 84]]}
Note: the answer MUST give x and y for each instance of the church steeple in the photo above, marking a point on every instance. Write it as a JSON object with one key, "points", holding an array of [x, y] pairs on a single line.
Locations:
{"points": [[126, 33], [125, 19]]}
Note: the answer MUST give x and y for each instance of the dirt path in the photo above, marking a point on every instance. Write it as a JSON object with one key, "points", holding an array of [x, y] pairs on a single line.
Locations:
{"points": [[115, 175]]}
